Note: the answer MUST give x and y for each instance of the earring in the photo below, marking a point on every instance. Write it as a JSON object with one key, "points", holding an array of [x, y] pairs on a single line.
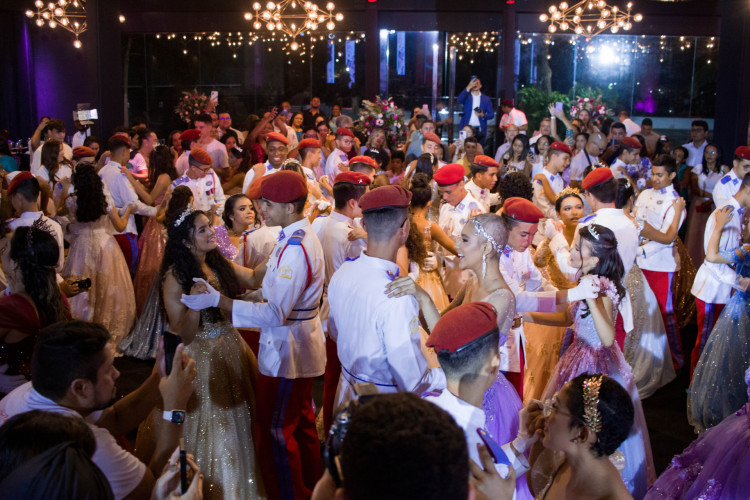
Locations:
{"points": [[575, 440], [484, 265]]}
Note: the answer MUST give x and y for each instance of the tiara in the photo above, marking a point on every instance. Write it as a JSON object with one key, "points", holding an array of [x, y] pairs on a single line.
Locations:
{"points": [[189, 210], [591, 416], [593, 232], [478, 229], [41, 225], [568, 191], [290, 160]]}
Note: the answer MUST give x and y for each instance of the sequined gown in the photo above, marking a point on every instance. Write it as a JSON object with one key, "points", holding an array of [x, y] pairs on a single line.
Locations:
{"points": [[717, 388], [430, 280], [646, 348], [218, 426], [151, 250], [587, 354], [716, 466]]}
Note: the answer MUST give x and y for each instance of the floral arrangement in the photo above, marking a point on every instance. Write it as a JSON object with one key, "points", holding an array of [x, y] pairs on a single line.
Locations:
{"points": [[193, 103], [594, 105], [383, 113]]}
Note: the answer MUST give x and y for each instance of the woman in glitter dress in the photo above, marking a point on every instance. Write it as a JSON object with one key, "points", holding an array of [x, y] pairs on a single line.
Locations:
{"points": [[218, 427], [238, 217]]}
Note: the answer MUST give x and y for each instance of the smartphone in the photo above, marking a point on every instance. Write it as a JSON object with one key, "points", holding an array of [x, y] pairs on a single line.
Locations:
{"points": [[558, 107], [474, 77], [171, 341], [477, 109], [425, 110], [183, 467], [215, 95], [462, 134], [83, 284], [612, 142], [497, 453]]}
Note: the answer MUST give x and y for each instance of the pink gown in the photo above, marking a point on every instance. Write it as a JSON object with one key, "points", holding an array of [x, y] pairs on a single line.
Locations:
{"points": [[151, 250]]}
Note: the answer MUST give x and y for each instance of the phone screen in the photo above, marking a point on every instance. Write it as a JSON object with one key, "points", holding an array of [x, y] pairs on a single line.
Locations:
{"points": [[214, 95], [171, 341], [498, 455], [558, 107]]}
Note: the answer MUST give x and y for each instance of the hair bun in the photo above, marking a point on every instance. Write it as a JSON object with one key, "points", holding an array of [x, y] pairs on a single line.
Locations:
{"points": [[420, 181]]}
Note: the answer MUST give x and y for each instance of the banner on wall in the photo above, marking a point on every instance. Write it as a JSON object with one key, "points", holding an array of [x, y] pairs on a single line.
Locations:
{"points": [[401, 53], [331, 66], [349, 55]]}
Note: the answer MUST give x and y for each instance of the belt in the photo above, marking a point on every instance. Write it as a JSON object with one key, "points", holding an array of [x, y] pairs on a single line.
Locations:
{"points": [[359, 379], [303, 314]]}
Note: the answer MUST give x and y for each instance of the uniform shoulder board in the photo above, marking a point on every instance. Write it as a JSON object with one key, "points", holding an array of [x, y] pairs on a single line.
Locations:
{"points": [[297, 236], [180, 180], [433, 394], [349, 259], [587, 218], [648, 187], [726, 179]]}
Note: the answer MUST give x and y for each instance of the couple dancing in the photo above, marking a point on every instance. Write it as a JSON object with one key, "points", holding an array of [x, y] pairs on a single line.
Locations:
{"points": [[594, 252]]}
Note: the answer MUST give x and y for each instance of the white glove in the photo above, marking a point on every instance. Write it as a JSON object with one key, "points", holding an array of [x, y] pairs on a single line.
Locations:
{"points": [[588, 288], [430, 262], [550, 229], [523, 440], [202, 300], [9, 382]]}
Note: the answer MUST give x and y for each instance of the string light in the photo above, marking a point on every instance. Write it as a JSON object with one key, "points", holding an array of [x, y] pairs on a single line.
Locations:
{"points": [[293, 17], [589, 18]]}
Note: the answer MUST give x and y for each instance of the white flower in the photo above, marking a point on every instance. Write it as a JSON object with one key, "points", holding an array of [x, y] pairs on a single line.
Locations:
{"points": [[379, 122]]}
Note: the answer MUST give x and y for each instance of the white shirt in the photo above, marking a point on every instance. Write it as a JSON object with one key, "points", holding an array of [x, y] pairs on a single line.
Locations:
{"points": [[334, 162], [713, 282], [378, 337], [726, 188], [696, 153], [452, 220], [123, 193], [615, 168], [516, 117], [183, 163], [36, 159], [501, 151], [256, 245], [579, 163], [476, 101], [291, 337], [79, 137], [631, 128], [123, 470], [138, 162], [655, 207], [250, 175], [485, 197], [63, 172], [27, 219], [207, 191], [218, 153], [540, 199], [291, 136], [707, 182]]}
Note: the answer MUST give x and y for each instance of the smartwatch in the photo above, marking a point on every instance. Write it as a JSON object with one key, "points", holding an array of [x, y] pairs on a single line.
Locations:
{"points": [[174, 416]]}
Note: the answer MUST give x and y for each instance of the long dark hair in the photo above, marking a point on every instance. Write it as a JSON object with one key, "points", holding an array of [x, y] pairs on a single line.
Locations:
{"points": [[36, 252], [705, 168], [181, 197], [229, 208], [605, 248], [415, 246], [50, 152], [89, 190], [525, 153], [160, 161]]}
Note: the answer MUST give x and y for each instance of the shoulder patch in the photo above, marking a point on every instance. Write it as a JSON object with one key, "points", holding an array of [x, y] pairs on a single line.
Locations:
{"points": [[297, 236], [285, 272], [726, 179], [587, 218], [431, 394]]}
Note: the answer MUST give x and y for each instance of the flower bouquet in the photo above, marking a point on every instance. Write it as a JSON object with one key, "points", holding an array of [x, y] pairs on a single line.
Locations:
{"points": [[594, 105], [383, 113], [193, 103]]}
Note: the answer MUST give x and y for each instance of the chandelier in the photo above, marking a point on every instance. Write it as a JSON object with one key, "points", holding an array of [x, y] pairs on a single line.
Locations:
{"points": [[293, 17], [70, 16], [589, 18], [474, 43]]}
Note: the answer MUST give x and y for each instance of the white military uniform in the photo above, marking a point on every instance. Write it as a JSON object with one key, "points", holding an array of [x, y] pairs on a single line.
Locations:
{"points": [[291, 338], [540, 200], [123, 193], [655, 207], [713, 282], [256, 245], [334, 162], [726, 188], [250, 175], [378, 337], [485, 197], [207, 191], [183, 163], [452, 220]]}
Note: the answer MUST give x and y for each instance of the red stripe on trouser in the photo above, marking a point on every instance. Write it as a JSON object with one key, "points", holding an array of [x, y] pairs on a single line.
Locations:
{"points": [[129, 249], [707, 316], [516, 378], [661, 284], [620, 332], [285, 437], [330, 382]]}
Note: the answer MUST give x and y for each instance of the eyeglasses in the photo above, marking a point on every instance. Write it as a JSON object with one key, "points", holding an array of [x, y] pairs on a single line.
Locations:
{"points": [[205, 170], [553, 406]]}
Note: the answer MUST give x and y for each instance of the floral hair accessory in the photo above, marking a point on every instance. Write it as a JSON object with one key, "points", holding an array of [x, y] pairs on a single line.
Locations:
{"points": [[189, 210], [608, 288], [591, 416]]}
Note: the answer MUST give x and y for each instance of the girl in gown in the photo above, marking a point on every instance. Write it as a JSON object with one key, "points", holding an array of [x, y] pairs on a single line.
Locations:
{"points": [[703, 179], [161, 173], [218, 427], [238, 217], [716, 466], [594, 349], [717, 387], [143, 340], [482, 240], [94, 253]]}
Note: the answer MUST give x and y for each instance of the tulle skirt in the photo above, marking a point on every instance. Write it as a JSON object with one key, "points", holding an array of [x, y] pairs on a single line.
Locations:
{"points": [[718, 387], [716, 466], [151, 250], [143, 340], [432, 284], [579, 358]]}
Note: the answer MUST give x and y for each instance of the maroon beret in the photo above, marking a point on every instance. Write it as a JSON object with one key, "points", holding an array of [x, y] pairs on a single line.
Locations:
{"points": [[309, 143], [344, 131], [17, 180], [364, 159], [485, 161], [632, 143], [562, 147], [522, 209], [191, 134], [285, 186], [275, 136], [453, 173], [429, 136], [596, 176], [461, 326], [386, 196], [199, 156], [506, 102], [353, 178], [121, 136], [83, 152], [743, 152], [253, 190]]}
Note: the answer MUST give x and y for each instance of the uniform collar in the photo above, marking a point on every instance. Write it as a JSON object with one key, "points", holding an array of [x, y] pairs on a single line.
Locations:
{"points": [[339, 217], [390, 268], [465, 202], [294, 226], [461, 410]]}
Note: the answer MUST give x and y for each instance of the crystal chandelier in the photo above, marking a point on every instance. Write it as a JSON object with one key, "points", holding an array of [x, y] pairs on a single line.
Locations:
{"points": [[589, 18], [70, 16], [293, 17]]}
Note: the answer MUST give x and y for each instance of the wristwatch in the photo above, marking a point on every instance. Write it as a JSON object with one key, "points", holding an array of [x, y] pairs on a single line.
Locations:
{"points": [[174, 416]]}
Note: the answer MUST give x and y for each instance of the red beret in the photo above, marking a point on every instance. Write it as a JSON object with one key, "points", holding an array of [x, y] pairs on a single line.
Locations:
{"points": [[449, 174], [200, 156], [506, 102], [122, 136], [596, 176], [285, 186], [461, 326], [275, 136], [364, 159], [253, 191], [344, 131], [191, 134], [743, 152], [386, 196], [353, 178], [83, 152], [429, 136], [485, 161], [632, 143], [561, 146], [17, 180], [309, 143], [522, 209]]}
